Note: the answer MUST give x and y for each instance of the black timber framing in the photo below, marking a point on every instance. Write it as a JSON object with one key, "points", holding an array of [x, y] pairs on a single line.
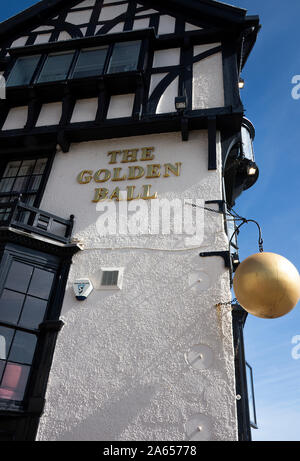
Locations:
{"points": [[230, 75], [212, 14], [212, 143], [232, 22], [222, 23], [17, 141]]}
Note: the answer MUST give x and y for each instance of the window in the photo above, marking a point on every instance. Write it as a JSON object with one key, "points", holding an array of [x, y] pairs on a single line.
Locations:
{"points": [[32, 284], [24, 177], [119, 57], [56, 67], [251, 398], [90, 62], [125, 57], [24, 300], [23, 71]]}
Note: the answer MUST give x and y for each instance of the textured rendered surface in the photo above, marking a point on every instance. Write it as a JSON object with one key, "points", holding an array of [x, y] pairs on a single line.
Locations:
{"points": [[121, 367]]}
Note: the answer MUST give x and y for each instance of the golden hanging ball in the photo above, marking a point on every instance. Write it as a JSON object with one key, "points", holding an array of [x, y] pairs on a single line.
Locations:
{"points": [[267, 285]]}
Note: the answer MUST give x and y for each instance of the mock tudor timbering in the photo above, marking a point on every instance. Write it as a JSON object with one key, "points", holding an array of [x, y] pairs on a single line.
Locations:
{"points": [[176, 57], [91, 90]]}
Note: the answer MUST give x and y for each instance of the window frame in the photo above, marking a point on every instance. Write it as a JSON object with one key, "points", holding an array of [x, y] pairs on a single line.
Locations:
{"points": [[250, 383], [38, 260], [35, 80], [76, 60], [109, 58], [11, 68], [44, 54], [45, 175]]}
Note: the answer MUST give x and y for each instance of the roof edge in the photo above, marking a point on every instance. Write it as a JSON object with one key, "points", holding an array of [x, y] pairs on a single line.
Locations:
{"points": [[221, 11]]}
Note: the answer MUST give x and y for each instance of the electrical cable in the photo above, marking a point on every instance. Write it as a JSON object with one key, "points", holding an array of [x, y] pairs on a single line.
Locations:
{"points": [[229, 212]]}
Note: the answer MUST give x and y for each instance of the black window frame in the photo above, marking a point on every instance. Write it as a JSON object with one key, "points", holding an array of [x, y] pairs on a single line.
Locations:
{"points": [[45, 176], [11, 69], [39, 69], [76, 52], [252, 404], [38, 260], [76, 59], [20, 423]]}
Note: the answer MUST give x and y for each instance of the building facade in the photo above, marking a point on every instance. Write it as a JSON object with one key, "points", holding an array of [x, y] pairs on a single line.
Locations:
{"points": [[123, 148]]}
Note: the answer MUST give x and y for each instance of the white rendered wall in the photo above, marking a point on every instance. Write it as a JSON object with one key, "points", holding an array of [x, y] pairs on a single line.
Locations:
{"points": [[16, 118], [121, 366], [85, 110], [50, 114], [169, 57], [208, 81], [120, 105]]}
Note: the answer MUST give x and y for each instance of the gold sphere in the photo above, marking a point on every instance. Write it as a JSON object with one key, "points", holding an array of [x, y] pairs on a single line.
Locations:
{"points": [[267, 285]]}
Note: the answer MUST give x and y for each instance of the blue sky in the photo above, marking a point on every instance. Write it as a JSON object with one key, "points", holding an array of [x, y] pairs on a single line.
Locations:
{"points": [[273, 201]]}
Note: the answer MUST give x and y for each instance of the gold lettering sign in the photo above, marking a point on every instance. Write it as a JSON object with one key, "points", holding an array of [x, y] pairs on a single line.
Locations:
{"points": [[136, 172], [153, 171], [146, 154], [105, 177], [100, 194], [129, 173], [117, 175], [130, 155], [85, 177]]}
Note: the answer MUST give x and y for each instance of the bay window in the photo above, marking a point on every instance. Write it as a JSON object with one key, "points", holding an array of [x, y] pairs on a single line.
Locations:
{"points": [[81, 63], [21, 177], [32, 285], [25, 295]]}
